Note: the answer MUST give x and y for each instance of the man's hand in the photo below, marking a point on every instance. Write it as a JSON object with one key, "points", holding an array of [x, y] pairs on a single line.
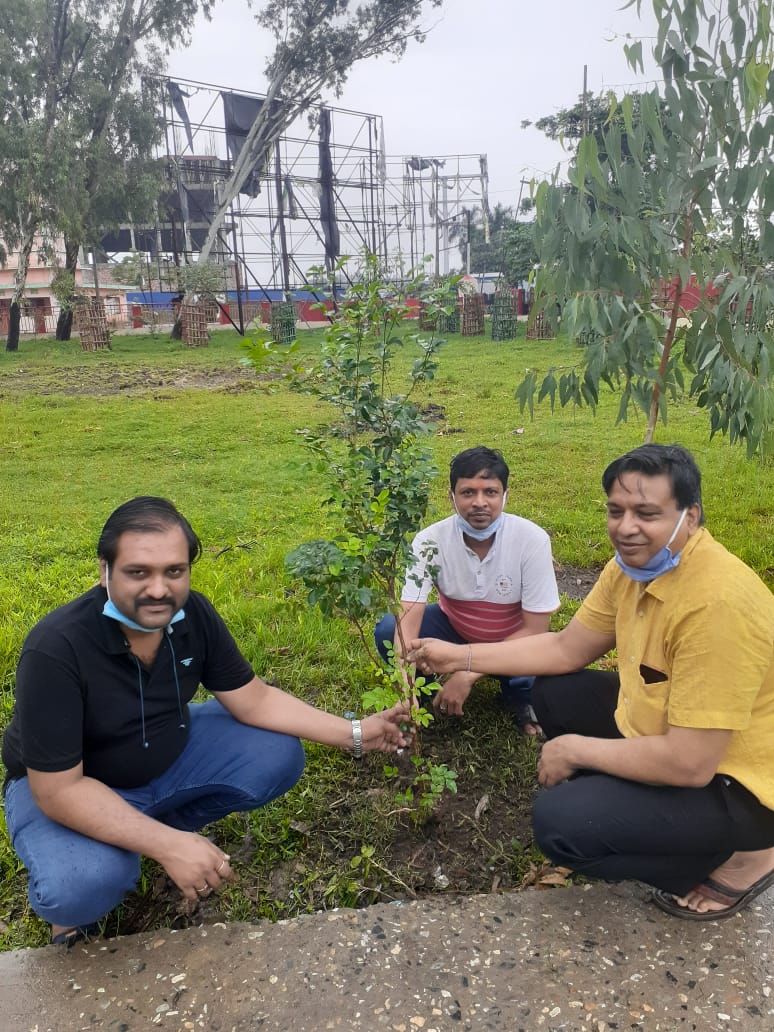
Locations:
{"points": [[453, 693], [555, 764], [434, 656], [385, 731], [196, 865]]}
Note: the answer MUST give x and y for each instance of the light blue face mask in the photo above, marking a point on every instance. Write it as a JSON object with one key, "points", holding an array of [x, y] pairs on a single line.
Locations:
{"points": [[112, 612], [475, 532], [662, 562]]}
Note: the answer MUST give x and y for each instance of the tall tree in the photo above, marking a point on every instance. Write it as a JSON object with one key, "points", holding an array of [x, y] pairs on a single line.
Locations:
{"points": [[41, 47], [118, 121], [115, 176], [76, 68], [618, 247], [591, 115], [509, 249], [317, 42]]}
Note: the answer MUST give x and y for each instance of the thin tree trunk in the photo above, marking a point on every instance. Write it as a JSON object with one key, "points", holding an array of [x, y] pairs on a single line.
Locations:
{"points": [[64, 324], [14, 323], [20, 281], [662, 368]]}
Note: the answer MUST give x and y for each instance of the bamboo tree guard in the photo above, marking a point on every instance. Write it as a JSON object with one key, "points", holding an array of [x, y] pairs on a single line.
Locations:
{"points": [[195, 332], [428, 320], [504, 312], [449, 322], [92, 325], [283, 322], [473, 315], [540, 328]]}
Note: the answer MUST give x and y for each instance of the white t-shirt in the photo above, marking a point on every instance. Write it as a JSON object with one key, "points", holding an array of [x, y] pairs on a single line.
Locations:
{"points": [[484, 598]]}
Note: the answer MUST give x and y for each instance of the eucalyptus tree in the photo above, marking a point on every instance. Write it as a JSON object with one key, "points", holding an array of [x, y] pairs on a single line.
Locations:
{"points": [[619, 246], [118, 120], [40, 49], [76, 133], [317, 42]]}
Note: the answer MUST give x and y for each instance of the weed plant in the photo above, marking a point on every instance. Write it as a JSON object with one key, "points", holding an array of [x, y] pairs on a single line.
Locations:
{"points": [[80, 433]]}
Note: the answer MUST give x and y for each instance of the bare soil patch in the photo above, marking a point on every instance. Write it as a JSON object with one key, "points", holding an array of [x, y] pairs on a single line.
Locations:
{"points": [[102, 380]]}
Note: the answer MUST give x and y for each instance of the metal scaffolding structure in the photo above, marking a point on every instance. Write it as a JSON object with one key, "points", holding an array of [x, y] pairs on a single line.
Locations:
{"points": [[327, 189]]}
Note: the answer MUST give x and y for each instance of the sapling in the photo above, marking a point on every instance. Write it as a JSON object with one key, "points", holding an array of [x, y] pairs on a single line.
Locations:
{"points": [[375, 459]]}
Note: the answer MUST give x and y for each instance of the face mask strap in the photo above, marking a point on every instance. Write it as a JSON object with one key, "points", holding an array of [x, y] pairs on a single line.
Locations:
{"points": [[677, 528]]}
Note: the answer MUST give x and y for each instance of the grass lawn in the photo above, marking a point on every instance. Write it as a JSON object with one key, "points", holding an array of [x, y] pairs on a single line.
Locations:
{"points": [[80, 433]]}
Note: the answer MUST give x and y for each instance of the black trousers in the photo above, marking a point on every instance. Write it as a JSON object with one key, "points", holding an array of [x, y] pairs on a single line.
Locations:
{"points": [[610, 828]]}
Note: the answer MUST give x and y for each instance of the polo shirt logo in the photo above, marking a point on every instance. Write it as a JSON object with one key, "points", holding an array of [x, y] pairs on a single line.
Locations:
{"points": [[503, 584], [187, 662]]}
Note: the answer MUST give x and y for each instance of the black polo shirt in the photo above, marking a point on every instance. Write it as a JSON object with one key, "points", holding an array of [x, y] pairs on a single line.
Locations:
{"points": [[82, 695]]}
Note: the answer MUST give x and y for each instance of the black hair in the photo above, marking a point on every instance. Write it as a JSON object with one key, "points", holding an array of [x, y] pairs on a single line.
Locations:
{"points": [[144, 515], [653, 460], [487, 462]]}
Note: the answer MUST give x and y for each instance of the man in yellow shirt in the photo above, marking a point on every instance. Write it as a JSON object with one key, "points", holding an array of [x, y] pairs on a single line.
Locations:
{"points": [[662, 772]]}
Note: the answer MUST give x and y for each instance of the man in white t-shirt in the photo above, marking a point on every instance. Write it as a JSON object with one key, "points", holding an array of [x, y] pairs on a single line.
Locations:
{"points": [[493, 575]]}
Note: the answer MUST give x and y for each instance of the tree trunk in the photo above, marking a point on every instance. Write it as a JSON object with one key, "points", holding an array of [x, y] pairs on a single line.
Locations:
{"points": [[19, 283], [14, 322], [64, 324]]}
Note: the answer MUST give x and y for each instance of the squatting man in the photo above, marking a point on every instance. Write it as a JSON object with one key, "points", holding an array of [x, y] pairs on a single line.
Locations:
{"points": [[107, 758], [661, 773], [493, 574]]}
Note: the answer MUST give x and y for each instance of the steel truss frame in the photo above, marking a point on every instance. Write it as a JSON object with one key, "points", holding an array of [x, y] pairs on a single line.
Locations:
{"points": [[401, 208]]}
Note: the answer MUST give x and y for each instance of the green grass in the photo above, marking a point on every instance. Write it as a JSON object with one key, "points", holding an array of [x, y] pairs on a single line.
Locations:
{"points": [[231, 458]]}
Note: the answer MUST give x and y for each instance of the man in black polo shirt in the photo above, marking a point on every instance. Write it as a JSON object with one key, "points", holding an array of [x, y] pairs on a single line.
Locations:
{"points": [[106, 758]]}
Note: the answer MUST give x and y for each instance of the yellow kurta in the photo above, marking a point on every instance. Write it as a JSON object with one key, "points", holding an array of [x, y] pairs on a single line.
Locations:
{"points": [[695, 649]]}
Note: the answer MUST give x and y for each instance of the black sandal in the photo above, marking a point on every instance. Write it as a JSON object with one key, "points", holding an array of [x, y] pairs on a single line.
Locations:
{"points": [[523, 715], [71, 936]]}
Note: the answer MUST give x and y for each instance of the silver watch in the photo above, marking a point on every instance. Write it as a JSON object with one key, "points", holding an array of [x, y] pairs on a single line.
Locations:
{"points": [[357, 739]]}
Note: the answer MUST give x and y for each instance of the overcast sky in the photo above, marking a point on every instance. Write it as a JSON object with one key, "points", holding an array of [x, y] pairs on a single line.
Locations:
{"points": [[485, 66]]}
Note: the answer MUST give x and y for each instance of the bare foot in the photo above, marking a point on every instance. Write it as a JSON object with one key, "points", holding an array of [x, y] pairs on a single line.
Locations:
{"points": [[737, 874]]}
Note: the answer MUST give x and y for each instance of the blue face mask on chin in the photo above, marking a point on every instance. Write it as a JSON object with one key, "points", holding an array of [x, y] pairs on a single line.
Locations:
{"points": [[479, 535], [659, 564], [476, 533], [112, 612]]}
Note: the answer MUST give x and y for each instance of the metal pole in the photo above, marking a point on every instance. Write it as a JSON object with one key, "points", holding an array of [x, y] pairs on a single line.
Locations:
{"points": [[467, 243], [437, 217], [237, 278], [281, 220], [372, 217]]}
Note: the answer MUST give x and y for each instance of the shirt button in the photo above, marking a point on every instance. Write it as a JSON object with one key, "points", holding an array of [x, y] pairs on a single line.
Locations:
{"points": [[641, 612]]}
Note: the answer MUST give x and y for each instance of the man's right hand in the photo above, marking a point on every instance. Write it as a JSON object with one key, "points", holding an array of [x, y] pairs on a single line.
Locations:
{"points": [[196, 865]]}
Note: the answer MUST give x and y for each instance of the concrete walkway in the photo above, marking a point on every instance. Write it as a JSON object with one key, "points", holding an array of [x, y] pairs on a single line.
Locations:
{"points": [[587, 958]]}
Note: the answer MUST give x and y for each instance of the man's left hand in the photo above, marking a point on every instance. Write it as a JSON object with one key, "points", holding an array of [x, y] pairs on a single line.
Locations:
{"points": [[555, 764], [453, 693]]}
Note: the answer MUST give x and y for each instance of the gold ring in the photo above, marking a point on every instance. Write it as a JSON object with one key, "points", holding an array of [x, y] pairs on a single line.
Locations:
{"points": [[204, 888], [223, 863]]}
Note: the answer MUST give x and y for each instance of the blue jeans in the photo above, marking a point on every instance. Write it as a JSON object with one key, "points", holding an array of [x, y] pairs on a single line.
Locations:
{"points": [[436, 624], [225, 767]]}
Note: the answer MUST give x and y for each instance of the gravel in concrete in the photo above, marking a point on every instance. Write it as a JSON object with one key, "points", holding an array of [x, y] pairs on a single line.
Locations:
{"points": [[596, 957]]}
